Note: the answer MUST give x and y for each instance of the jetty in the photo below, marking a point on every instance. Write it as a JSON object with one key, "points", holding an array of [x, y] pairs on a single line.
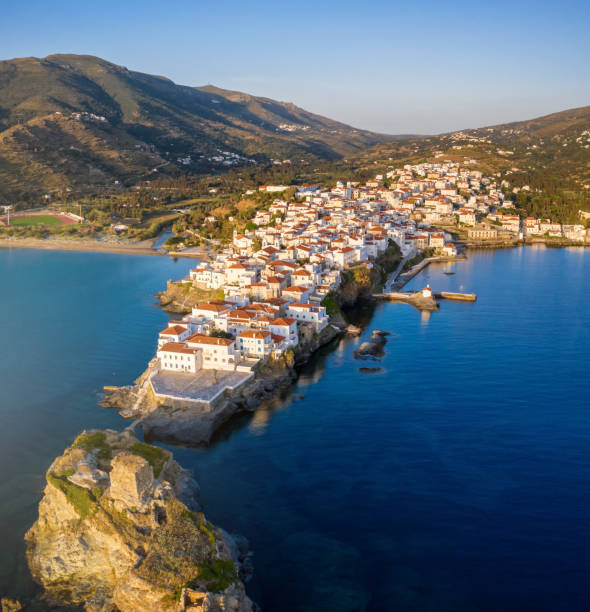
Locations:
{"points": [[399, 278], [459, 297], [417, 299], [425, 299]]}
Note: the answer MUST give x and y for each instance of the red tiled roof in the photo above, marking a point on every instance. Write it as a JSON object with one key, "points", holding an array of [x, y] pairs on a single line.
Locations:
{"points": [[253, 333], [200, 339], [177, 347], [173, 330], [285, 321]]}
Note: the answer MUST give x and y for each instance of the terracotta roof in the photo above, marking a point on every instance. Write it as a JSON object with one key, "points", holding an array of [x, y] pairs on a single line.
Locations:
{"points": [[241, 314], [173, 330], [200, 339], [177, 347], [253, 333], [301, 305], [212, 307], [284, 321]]}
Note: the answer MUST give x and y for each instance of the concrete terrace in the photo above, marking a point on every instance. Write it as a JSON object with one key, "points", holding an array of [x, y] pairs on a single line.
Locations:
{"points": [[199, 387]]}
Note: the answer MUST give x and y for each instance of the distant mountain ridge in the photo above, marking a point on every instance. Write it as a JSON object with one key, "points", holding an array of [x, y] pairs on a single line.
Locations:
{"points": [[80, 122]]}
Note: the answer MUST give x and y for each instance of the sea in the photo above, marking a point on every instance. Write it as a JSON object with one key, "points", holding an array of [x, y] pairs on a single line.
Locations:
{"points": [[451, 475]]}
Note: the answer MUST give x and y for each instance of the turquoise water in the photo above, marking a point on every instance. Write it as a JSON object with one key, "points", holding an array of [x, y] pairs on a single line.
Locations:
{"points": [[458, 478], [70, 323]]}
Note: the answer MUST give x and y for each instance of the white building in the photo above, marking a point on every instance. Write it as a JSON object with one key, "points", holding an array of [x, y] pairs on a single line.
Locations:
{"points": [[287, 328], [254, 343], [218, 353], [309, 314], [174, 333], [176, 357]]}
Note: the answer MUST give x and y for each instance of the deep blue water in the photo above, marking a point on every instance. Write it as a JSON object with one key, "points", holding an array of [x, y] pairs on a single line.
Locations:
{"points": [[70, 323], [458, 478]]}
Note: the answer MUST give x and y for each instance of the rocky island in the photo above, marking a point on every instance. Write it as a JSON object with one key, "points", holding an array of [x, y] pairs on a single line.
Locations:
{"points": [[120, 529]]}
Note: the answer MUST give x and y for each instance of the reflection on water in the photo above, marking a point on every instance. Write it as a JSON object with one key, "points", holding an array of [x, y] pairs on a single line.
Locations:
{"points": [[260, 421], [435, 484], [432, 484]]}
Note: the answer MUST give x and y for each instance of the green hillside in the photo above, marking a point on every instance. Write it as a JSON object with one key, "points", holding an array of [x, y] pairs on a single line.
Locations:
{"points": [[548, 156], [80, 123]]}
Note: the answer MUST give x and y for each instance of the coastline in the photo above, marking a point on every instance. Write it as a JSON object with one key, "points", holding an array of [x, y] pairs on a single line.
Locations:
{"points": [[189, 423], [144, 247]]}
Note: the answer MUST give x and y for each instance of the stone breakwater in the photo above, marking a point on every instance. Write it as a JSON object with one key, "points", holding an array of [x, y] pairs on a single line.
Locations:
{"points": [[120, 529]]}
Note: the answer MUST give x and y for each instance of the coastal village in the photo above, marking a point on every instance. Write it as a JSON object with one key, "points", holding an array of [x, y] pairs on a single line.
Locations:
{"points": [[272, 282]]}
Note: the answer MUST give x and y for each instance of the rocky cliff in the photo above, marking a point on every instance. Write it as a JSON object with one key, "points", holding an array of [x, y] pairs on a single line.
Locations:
{"points": [[120, 529]]}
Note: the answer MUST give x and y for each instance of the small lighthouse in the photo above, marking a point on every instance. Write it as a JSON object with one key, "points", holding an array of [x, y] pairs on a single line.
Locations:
{"points": [[427, 292]]}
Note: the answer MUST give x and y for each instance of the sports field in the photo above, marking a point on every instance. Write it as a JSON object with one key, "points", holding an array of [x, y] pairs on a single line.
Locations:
{"points": [[34, 220]]}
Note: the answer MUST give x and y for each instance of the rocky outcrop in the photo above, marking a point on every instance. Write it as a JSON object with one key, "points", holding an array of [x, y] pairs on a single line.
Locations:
{"points": [[120, 529], [193, 425], [180, 297], [373, 348], [190, 425]]}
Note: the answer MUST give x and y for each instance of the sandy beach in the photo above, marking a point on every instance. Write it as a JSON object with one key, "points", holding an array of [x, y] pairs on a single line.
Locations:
{"points": [[145, 247]]}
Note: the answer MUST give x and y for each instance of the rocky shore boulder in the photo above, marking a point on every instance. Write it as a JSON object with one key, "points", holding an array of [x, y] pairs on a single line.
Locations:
{"points": [[373, 348], [119, 529]]}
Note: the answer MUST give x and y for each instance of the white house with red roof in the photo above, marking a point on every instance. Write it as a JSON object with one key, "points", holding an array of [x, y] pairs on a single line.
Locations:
{"points": [[218, 353], [243, 244], [436, 241], [207, 278], [211, 310], [177, 357], [254, 343], [287, 328], [175, 333], [344, 257], [296, 293], [303, 278], [308, 313], [450, 250]]}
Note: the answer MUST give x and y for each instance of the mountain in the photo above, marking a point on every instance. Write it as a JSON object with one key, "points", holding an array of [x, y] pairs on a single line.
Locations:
{"points": [[80, 122], [545, 162]]}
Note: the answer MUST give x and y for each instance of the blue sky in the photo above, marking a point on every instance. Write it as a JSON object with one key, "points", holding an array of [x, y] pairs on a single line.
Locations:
{"points": [[394, 67]]}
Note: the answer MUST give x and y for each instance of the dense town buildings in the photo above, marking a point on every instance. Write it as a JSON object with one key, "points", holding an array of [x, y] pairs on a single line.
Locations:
{"points": [[277, 271]]}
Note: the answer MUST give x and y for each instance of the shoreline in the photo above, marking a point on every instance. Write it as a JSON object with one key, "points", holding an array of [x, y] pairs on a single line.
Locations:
{"points": [[95, 246], [146, 247], [187, 423]]}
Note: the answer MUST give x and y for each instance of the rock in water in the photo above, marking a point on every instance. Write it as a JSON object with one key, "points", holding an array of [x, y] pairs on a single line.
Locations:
{"points": [[119, 528], [373, 348]]}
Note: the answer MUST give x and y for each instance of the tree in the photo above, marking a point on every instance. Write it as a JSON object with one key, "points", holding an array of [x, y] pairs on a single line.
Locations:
{"points": [[219, 333], [362, 277]]}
